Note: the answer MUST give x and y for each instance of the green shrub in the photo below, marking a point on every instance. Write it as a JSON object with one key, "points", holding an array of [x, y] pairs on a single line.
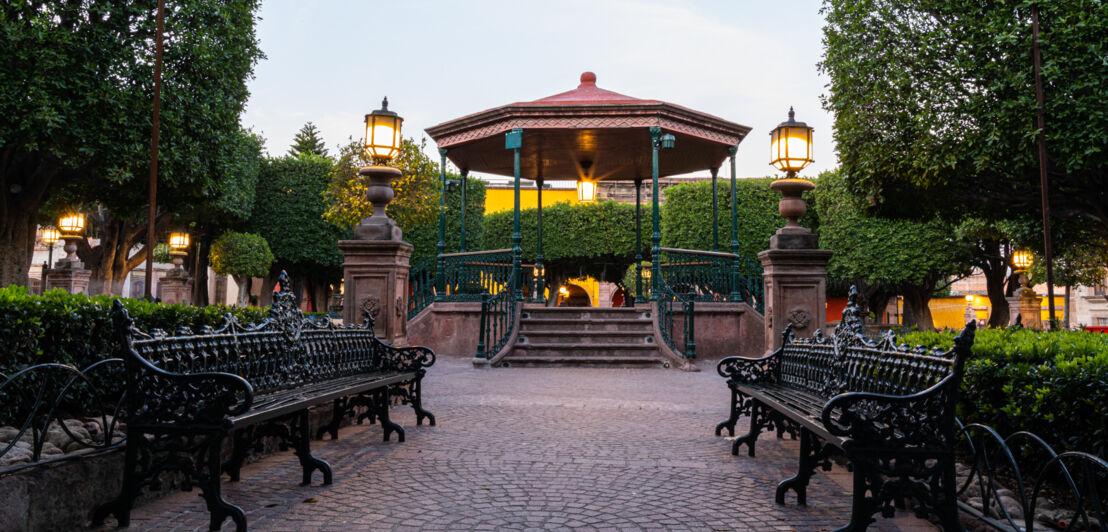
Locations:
{"points": [[631, 281], [1054, 384], [241, 255]]}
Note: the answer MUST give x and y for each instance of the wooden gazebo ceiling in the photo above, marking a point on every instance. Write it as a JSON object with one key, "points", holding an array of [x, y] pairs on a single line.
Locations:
{"points": [[589, 132]]}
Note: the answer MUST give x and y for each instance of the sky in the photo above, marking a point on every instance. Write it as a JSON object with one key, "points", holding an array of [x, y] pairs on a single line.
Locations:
{"points": [[331, 61]]}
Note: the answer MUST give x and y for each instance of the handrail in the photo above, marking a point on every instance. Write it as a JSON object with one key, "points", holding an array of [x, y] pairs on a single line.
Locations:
{"points": [[466, 276], [421, 286], [667, 298], [713, 276], [498, 318]]}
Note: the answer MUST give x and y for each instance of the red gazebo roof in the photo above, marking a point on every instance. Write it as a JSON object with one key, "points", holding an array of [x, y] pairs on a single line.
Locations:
{"points": [[588, 131]]}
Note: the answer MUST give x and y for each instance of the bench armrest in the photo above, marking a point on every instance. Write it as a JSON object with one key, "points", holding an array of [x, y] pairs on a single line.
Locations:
{"points": [[897, 421], [158, 397], [748, 370], [409, 358]]}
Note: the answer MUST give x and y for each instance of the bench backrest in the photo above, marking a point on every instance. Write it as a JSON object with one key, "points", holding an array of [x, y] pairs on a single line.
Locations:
{"points": [[284, 351], [848, 361]]}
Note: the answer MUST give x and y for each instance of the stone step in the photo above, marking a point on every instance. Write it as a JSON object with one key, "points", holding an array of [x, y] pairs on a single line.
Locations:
{"points": [[577, 336], [583, 350], [644, 326], [583, 313], [601, 362]]}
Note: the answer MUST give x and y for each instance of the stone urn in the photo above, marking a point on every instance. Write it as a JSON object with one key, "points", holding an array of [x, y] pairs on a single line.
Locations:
{"points": [[792, 207], [379, 192]]}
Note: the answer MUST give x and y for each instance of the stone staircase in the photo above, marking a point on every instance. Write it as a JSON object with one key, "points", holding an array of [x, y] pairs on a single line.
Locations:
{"points": [[585, 336]]}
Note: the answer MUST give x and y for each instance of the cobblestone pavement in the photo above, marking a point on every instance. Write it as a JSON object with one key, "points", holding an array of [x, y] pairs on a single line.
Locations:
{"points": [[536, 449]]}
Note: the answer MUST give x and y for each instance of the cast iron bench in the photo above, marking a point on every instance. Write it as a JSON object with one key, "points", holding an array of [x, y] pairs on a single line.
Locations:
{"points": [[889, 409], [187, 393]]}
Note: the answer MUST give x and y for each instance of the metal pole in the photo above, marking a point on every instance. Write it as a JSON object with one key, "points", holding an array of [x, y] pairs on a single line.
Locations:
{"points": [[1040, 123], [462, 245], [513, 140], [151, 212], [540, 286], [735, 294], [656, 236], [638, 242], [440, 273], [715, 211]]}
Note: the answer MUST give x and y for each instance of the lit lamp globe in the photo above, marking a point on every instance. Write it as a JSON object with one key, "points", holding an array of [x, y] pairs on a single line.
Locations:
{"points": [[790, 150], [586, 191], [178, 245], [382, 144], [71, 226], [1021, 264], [50, 236]]}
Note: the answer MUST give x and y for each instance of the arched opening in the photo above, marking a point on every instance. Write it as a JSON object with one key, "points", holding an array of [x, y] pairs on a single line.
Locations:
{"points": [[571, 295]]}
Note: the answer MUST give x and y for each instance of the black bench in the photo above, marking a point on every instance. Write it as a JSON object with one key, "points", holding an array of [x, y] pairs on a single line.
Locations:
{"points": [[888, 408], [187, 393]]}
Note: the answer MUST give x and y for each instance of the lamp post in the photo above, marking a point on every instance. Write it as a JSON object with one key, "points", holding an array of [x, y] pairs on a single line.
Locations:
{"points": [[382, 144], [71, 227], [50, 236], [790, 151], [178, 244], [1029, 302], [657, 141]]}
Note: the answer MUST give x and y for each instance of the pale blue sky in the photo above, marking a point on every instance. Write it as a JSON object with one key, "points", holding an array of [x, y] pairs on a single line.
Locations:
{"points": [[331, 61]]}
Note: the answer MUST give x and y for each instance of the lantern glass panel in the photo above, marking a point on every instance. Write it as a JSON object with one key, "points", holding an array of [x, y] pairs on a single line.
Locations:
{"points": [[791, 148], [50, 235], [179, 241], [586, 191], [383, 136], [1022, 260], [72, 224]]}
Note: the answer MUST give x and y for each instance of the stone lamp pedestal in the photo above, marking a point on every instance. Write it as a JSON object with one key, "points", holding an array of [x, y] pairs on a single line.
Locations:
{"points": [[1030, 305], [69, 273], [795, 270], [173, 288], [376, 264]]}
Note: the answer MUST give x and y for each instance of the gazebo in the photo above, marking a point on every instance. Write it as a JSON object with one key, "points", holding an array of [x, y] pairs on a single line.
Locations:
{"points": [[589, 134]]}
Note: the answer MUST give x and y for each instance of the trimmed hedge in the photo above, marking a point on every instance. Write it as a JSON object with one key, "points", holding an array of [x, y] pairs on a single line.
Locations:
{"points": [[77, 329], [1054, 384]]}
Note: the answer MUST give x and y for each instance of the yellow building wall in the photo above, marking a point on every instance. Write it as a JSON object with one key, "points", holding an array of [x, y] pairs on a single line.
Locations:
{"points": [[951, 311], [503, 199]]}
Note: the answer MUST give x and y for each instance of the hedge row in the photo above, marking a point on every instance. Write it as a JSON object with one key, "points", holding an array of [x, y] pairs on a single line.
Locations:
{"points": [[1054, 384], [77, 329]]}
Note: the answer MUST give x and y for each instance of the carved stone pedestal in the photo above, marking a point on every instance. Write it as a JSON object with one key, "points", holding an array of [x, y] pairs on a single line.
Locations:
{"points": [[1030, 305], [796, 291], [375, 278], [69, 276], [174, 288]]}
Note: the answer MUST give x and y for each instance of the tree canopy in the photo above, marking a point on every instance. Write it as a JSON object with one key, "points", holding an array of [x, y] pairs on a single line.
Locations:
{"points": [[79, 77], [417, 191], [307, 140], [935, 106]]}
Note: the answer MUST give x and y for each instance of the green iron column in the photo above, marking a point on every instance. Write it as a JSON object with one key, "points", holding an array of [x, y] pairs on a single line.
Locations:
{"points": [[735, 295], [440, 272], [462, 245], [638, 242], [715, 211], [540, 284], [656, 236], [513, 140]]}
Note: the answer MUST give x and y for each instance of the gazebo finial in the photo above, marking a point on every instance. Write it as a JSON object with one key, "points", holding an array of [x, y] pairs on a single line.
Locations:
{"points": [[588, 78]]}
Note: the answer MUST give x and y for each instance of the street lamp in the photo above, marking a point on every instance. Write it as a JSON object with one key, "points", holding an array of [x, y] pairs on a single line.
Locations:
{"points": [[179, 244], [71, 226], [790, 150], [50, 236], [382, 144], [586, 191], [1022, 260]]}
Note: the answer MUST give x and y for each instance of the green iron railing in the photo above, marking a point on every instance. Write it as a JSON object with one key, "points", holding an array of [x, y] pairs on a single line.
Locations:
{"points": [[669, 303], [713, 276], [421, 286], [498, 313], [469, 275], [750, 284]]}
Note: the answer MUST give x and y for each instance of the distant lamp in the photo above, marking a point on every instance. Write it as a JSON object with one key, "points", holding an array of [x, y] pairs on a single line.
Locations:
{"points": [[382, 134], [1022, 260], [50, 236], [969, 299], [71, 224], [382, 144], [668, 141], [179, 241], [586, 191], [790, 146]]}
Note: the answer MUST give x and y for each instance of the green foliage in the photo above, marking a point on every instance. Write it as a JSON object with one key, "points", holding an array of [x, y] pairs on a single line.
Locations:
{"points": [[687, 216], [76, 329], [307, 140], [288, 214], [631, 281], [424, 236], [417, 191], [241, 255], [596, 239], [1054, 384], [934, 103]]}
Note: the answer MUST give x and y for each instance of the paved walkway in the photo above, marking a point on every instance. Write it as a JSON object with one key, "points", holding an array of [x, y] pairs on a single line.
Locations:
{"points": [[536, 449]]}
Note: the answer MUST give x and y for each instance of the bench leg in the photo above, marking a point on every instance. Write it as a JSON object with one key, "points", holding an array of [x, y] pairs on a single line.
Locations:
{"points": [[382, 399], [729, 423], [209, 487], [338, 411], [757, 424], [809, 460], [241, 442], [370, 402], [303, 437], [947, 505], [416, 393], [121, 506], [861, 506]]}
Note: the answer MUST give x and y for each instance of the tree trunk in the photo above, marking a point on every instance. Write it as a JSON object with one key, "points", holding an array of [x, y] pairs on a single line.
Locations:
{"points": [[243, 284], [200, 295], [17, 245], [916, 312], [25, 183], [1066, 310]]}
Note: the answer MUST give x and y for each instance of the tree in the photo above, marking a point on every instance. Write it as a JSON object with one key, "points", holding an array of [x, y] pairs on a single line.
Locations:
{"points": [[288, 213], [307, 140], [424, 236], [888, 256], [242, 256], [76, 82], [417, 191], [935, 108]]}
